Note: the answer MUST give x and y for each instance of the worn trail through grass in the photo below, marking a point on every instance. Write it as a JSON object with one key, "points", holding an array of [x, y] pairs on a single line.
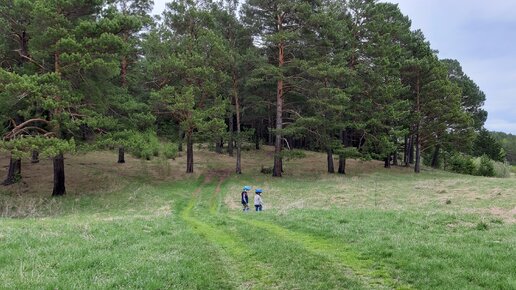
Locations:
{"points": [[248, 259], [231, 250]]}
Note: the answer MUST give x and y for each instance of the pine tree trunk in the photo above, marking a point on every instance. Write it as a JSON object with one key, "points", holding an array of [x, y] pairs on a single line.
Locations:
{"points": [[329, 159], [387, 163], [231, 133], [218, 148], [342, 159], [270, 139], [277, 170], [189, 153], [342, 165], [395, 158], [257, 135], [59, 176], [121, 154], [278, 164], [406, 152], [238, 167], [411, 150], [417, 167], [180, 141], [435, 157], [14, 172], [35, 156]]}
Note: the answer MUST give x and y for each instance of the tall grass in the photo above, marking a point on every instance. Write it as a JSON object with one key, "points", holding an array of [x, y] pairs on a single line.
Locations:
{"points": [[373, 229]]}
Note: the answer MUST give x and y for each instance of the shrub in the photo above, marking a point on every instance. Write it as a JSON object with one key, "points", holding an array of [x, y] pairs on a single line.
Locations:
{"points": [[170, 150], [460, 163], [485, 167], [502, 169], [144, 145]]}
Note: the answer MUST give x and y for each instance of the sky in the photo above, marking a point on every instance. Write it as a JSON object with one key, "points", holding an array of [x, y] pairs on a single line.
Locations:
{"points": [[481, 35]]}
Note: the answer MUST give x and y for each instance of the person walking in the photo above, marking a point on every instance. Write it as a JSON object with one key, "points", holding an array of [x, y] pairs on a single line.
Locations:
{"points": [[245, 198], [258, 202]]}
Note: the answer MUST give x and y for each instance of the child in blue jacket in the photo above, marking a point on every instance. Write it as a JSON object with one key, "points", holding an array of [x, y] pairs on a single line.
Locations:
{"points": [[245, 198]]}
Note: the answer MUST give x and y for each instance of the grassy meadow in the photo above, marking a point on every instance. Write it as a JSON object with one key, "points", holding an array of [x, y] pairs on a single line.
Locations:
{"points": [[146, 224]]}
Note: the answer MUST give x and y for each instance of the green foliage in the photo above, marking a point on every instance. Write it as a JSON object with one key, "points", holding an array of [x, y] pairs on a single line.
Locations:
{"points": [[170, 150], [293, 154], [461, 163], [508, 142], [348, 152], [502, 169], [485, 167], [47, 147], [485, 144], [144, 145], [482, 166]]}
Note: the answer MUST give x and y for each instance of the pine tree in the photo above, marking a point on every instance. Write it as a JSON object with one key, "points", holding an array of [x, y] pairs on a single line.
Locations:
{"points": [[191, 76], [278, 25]]}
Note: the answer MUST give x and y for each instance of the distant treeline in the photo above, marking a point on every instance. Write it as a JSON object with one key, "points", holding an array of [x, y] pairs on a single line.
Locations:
{"points": [[508, 142]]}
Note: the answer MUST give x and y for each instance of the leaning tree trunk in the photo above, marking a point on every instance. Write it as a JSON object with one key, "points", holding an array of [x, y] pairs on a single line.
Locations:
{"points": [[435, 157], [329, 159], [14, 172], [189, 153], [121, 154], [35, 156], [59, 176]]}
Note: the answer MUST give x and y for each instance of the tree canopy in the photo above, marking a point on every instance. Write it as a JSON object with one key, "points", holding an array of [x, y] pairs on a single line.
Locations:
{"points": [[348, 78]]}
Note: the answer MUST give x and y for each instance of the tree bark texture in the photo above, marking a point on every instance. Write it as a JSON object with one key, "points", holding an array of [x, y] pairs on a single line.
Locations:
{"points": [[238, 167], [189, 153], [59, 176], [342, 165], [329, 159], [277, 170], [435, 157], [387, 163], [180, 141], [121, 154], [231, 135], [35, 156], [14, 172], [417, 167]]}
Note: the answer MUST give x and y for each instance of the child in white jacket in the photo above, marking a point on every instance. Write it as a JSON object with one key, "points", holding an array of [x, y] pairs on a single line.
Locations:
{"points": [[258, 203]]}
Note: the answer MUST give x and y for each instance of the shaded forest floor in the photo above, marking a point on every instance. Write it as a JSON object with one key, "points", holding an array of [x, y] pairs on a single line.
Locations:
{"points": [[146, 224]]}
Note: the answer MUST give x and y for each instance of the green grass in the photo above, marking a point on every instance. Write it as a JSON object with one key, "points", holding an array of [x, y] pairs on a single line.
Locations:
{"points": [[375, 229]]}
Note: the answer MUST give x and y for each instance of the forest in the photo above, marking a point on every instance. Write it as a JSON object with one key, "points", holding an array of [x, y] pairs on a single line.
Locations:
{"points": [[347, 78]]}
